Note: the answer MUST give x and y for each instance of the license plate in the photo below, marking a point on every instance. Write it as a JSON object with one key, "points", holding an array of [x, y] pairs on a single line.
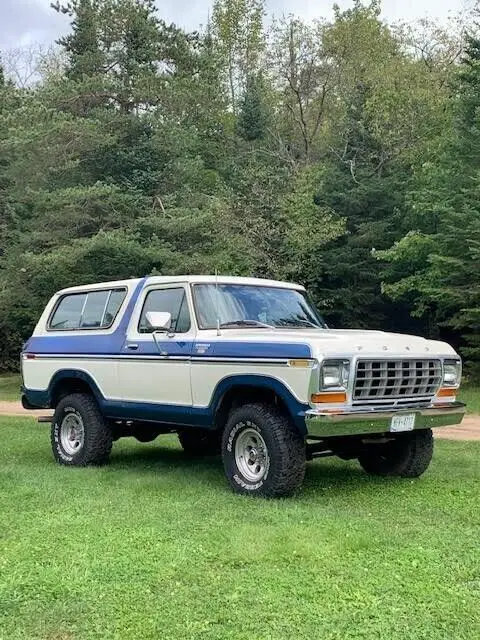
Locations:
{"points": [[403, 423]]}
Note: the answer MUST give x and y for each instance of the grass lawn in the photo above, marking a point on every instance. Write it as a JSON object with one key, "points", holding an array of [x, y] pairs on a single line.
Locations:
{"points": [[471, 395], [10, 386], [156, 546]]}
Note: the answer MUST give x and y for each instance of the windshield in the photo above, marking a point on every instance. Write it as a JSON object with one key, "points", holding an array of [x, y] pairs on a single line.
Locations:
{"points": [[252, 306]]}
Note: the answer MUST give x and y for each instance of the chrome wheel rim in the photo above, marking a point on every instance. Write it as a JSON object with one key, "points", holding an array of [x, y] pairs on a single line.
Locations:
{"points": [[251, 455], [72, 433]]}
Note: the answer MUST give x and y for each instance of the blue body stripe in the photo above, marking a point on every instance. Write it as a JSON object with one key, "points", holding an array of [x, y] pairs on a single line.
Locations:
{"points": [[112, 344], [261, 350]]}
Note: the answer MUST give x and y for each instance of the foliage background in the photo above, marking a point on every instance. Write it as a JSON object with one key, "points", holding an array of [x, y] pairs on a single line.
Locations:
{"points": [[343, 154]]}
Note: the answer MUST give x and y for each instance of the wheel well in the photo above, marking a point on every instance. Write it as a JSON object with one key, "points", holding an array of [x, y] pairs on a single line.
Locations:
{"points": [[66, 386], [246, 394]]}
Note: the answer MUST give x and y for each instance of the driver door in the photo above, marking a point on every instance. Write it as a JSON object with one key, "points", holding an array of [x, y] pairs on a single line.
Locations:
{"points": [[158, 372]]}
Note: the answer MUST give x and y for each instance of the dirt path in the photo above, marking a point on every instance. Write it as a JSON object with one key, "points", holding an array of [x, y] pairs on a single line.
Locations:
{"points": [[16, 409], [468, 430]]}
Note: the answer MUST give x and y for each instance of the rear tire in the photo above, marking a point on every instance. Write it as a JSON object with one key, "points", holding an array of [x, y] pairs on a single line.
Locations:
{"points": [[263, 454], [80, 435], [200, 442], [408, 456]]}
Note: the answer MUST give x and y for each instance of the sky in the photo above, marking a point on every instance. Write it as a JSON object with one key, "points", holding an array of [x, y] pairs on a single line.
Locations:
{"points": [[26, 22]]}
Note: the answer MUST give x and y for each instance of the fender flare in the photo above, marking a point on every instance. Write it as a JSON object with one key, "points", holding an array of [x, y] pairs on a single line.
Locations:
{"points": [[295, 407], [76, 374]]}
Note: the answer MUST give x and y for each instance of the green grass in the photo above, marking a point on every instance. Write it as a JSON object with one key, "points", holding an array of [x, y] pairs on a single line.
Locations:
{"points": [[156, 546], [471, 395], [10, 386]]}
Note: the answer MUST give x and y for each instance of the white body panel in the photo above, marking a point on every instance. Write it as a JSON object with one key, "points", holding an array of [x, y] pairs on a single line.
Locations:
{"points": [[206, 376], [155, 381], [38, 373]]}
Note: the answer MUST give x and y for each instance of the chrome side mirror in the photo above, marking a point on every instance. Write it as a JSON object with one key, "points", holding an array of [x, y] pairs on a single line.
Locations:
{"points": [[159, 320]]}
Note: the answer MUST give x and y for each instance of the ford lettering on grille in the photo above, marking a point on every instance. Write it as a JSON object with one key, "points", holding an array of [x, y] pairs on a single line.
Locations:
{"points": [[385, 379]]}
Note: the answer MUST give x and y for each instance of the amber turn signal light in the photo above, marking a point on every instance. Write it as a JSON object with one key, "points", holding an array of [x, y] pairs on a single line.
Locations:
{"points": [[446, 392], [329, 397]]}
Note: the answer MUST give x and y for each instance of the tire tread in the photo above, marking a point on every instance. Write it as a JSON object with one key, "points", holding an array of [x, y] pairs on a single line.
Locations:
{"points": [[289, 448], [98, 434], [411, 459]]}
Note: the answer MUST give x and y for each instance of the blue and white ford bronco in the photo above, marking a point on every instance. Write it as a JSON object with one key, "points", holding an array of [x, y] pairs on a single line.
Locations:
{"points": [[241, 366]]}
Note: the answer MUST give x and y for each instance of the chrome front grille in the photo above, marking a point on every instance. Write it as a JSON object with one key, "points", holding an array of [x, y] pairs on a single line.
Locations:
{"points": [[389, 379]]}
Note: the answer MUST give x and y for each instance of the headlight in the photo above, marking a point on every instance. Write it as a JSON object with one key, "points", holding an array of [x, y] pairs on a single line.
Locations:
{"points": [[452, 373], [335, 374]]}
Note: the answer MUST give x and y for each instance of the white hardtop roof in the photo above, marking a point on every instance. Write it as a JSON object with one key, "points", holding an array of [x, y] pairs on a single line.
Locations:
{"points": [[182, 279]]}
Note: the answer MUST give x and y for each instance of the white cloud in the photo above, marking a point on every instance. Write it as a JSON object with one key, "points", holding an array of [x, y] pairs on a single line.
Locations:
{"points": [[23, 22], [393, 10]]}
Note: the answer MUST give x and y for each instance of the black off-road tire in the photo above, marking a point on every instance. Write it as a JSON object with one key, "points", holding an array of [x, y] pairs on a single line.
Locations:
{"points": [[407, 456], [200, 442], [97, 438], [284, 445]]}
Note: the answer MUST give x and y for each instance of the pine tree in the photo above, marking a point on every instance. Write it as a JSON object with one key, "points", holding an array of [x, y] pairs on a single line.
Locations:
{"points": [[368, 194], [252, 117], [82, 46], [436, 266]]}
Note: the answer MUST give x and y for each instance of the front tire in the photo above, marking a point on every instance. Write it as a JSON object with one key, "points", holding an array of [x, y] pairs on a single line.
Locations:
{"points": [[263, 454], [80, 435], [408, 456]]}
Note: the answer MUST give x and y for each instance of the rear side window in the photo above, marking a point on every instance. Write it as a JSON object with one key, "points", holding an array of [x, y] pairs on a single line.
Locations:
{"points": [[89, 310]]}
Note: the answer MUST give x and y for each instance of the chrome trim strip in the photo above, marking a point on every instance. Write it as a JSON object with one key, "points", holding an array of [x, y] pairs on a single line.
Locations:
{"points": [[107, 301], [193, 359], [278, 361], [354, 422], [83, 311], [405, 401]]}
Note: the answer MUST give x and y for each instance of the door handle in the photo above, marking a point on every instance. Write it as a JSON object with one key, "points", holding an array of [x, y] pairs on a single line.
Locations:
{"points": [[131, 346]]}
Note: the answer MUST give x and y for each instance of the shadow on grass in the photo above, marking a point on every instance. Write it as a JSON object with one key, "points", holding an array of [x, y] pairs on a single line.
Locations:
{"points": [[338, 477], [159, 456], [151, 459], [335, 475]]}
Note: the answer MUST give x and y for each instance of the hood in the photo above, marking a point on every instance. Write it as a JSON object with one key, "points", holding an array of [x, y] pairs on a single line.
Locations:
{"points": [[378, 343], [348, 342]]}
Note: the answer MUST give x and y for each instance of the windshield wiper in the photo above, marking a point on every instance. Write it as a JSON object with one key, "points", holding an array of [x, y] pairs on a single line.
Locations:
{"points": [[245, 323], [57, 325], [290, 322]]}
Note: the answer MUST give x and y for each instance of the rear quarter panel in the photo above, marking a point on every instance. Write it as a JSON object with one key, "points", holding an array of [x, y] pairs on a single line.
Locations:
{"points": [[91, 351]]}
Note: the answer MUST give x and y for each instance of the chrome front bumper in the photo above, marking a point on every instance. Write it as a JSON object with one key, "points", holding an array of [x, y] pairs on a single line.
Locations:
{"points": [[360, 421]]}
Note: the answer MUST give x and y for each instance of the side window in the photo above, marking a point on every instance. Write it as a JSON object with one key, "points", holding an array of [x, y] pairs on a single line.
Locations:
{"points": [[173, 301], [117, 296], [89, 310], [68, 312], [93, 311]]}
